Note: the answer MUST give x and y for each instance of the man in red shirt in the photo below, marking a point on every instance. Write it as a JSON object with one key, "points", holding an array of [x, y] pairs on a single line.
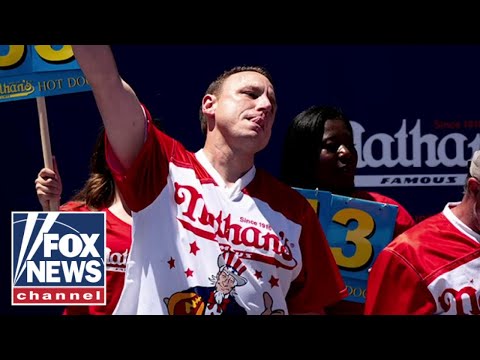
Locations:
{"points": [[434, 267]]}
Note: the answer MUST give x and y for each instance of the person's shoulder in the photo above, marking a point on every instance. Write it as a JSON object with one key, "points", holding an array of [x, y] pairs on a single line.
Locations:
{"points": [[403, 212], [375, 196], [279, 193], [74, 206], [274, 184], [420, 233]]}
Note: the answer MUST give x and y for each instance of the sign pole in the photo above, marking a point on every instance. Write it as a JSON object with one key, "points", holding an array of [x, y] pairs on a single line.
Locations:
{"points": [[46, 148]]}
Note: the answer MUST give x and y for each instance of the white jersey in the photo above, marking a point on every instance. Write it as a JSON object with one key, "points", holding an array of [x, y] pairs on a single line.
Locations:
{"points": [[189, 230]]}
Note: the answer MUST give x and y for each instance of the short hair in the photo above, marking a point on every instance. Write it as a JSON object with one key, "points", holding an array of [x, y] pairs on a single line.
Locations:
{"points": [[473, 168], [474, 165], [215, 87]]}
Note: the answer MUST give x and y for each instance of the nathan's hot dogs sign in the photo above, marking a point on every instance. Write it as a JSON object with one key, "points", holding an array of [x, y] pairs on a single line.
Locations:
{"points": [[31, 71], [356, 230], [38, 71]]}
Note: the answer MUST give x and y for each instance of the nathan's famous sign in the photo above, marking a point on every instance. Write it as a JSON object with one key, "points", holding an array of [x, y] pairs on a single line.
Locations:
{"points": [[30, 71], [423, 153]]}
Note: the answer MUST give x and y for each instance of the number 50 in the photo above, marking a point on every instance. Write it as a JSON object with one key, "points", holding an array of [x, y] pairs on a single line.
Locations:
{"points": [[54, 54]]}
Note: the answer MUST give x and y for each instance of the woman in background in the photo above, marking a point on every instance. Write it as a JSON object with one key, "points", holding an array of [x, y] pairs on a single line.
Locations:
{"points": [[319, 153]]}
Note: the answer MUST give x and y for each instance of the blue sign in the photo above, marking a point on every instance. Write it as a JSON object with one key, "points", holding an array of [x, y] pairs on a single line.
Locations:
{"points": [[30, 71], [357, 230]]}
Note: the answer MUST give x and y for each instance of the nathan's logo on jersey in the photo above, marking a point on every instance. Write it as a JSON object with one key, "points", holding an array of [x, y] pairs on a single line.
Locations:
{"points": [[116, 261], [417, 149], [259, 236], [58, 258], [460, 302]]}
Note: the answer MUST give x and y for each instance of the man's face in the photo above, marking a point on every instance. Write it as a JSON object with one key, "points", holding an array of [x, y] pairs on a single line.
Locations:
{"points": [[225, 282], [337, 160], [244, 111]]}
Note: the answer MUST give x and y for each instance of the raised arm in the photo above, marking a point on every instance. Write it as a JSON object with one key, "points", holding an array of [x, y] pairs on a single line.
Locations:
{"points": [[118, 104]]}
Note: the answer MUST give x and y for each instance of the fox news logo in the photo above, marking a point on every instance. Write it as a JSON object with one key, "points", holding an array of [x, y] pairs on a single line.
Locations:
{"points": [[58, 258]]}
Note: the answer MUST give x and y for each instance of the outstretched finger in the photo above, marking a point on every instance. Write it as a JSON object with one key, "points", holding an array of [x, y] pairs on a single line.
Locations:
{"points": [[55, 165]]}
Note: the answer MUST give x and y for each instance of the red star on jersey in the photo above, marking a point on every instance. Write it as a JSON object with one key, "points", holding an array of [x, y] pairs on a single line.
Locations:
{"points": [[273, 281], [258, 274], [189, 272], [171, 262], [194, 248]]}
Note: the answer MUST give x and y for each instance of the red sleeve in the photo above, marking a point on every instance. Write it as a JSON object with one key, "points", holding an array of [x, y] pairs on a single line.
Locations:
{"points": [[319, 283], [144, 180], [76, 310], [395, 288], [74, 206], [404, 221]]}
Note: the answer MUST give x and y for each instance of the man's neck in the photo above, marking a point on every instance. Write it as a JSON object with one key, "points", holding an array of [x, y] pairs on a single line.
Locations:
{"points": [[229, 164], [463, 212]]}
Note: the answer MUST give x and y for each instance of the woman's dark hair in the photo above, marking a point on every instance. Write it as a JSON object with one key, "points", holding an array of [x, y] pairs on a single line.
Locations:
{"points": [[99, 189], [303, 144]]}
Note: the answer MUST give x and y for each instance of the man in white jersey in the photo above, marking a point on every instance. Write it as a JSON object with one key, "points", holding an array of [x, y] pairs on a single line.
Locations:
{"points": [[434, 267], [191, 210]]}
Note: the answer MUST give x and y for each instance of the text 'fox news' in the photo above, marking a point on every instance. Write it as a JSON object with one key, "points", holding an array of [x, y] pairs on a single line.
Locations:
{"points": [[58, 258]]}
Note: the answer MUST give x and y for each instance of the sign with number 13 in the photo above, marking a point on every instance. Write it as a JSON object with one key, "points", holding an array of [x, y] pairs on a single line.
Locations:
{"points": [[357, 230]]}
